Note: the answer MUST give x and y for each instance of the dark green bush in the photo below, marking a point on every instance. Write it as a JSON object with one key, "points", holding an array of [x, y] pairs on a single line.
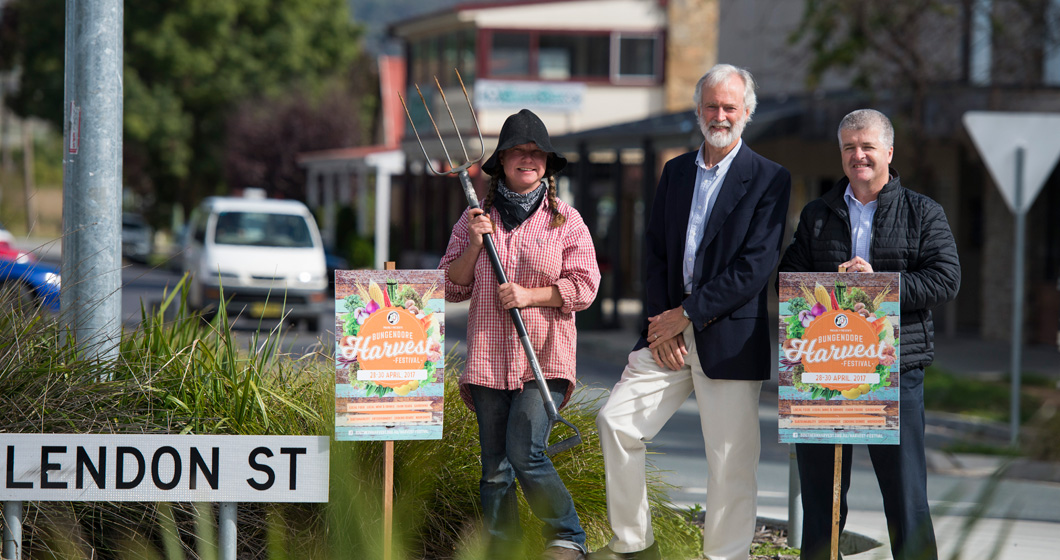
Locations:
{"points": [[181, 376]]}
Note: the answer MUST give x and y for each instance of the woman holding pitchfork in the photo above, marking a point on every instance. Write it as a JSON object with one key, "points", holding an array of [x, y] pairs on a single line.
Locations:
{"points": [[548, 256]]}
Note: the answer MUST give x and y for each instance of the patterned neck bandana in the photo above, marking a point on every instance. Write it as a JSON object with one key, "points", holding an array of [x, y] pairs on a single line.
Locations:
{"points": [[515, 208]]}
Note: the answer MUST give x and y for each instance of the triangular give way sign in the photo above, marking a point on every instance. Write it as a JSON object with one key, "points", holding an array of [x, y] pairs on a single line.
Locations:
{"points": [[998, 136]]}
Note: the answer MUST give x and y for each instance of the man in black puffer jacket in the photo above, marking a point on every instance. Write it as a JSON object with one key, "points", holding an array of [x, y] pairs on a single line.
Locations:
{"points": [[870, 223]]}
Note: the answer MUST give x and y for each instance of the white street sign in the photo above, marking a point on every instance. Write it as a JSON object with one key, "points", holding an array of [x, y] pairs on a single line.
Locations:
{"points": [[997, 135], [163, 468]]}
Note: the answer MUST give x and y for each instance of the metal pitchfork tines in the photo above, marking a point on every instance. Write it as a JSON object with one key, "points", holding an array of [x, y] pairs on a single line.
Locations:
{"points": [[487, 240]]}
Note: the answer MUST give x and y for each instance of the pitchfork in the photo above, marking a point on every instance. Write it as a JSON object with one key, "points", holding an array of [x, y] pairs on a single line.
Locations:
{"points": [[487, 240]]}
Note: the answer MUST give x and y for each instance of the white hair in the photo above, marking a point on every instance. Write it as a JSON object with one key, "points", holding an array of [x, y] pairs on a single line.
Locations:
{"points": [[864, 119], [721, 72]]}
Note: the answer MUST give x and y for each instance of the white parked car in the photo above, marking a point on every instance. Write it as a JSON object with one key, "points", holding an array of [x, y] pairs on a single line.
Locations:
{"points": [[263, 256]]}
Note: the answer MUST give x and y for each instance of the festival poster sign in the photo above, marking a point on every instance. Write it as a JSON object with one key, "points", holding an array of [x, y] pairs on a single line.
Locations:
{"points": [[839, 357], [389, 369]]}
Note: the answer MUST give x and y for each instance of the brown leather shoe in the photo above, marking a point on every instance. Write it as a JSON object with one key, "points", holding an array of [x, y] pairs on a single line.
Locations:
{"points": [[605, 553], [562, 553]]}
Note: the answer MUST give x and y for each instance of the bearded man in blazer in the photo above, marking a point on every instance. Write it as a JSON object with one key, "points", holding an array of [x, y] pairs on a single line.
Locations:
{"points": [[712, 243]]}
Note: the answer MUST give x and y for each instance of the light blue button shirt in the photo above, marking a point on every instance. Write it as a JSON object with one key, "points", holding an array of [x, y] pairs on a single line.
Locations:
{"points": [[860, 224], [708, 185]]}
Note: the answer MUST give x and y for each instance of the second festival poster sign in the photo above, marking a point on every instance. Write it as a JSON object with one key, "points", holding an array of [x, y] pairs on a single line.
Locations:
{"points": [[839, 357], [389, 368]]}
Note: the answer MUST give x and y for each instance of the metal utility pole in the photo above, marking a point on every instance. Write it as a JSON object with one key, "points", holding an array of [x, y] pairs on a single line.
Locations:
{"points": [[1017, 300], [29, 186], [92, 175]]}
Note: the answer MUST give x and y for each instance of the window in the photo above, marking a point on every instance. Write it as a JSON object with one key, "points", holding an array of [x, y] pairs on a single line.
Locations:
{"points": [[562, 57], [510, 54], [263, 230], [467, 56], [439, 55], [432, 58], [636, 56], [591, 56], [416, 62], [449, 58]]}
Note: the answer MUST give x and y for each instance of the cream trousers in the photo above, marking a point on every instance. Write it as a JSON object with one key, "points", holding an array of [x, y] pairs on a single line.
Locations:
{"points": [[639, 406]]}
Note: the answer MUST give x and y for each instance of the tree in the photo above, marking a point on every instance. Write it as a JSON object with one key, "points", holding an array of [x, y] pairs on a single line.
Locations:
{"points": [[895, 49], [904, 49], [188, 65], [264, 136]]}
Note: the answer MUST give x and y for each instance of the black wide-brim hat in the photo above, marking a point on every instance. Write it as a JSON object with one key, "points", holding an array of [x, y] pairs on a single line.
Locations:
{"points": [[522, 128]]}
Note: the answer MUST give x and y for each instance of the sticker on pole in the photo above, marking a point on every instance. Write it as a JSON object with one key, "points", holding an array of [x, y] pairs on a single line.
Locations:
{"points": [[839, 358], [389, 370], [75, 128]]}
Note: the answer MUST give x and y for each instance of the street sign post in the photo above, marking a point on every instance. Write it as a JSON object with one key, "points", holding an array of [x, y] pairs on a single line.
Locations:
{"points": [[1020, 150]]}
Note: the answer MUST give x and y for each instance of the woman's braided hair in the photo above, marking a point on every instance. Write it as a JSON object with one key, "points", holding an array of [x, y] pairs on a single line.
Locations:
{"points": [[557, 218], [487, 202]]}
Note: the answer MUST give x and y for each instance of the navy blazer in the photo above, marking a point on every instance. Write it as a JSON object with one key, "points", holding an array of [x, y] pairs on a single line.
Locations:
{"points": [[740, 248]]}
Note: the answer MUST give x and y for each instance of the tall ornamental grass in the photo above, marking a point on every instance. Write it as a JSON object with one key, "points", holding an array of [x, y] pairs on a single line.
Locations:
{"points": [[176, 374]]}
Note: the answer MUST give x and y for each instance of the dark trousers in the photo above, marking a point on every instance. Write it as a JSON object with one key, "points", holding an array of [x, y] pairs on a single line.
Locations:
{"points": [[513, 433], [901, 471]]}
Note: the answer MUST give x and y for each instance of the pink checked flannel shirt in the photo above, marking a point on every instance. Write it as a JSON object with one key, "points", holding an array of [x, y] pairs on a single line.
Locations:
{"points": [[533, 255]]}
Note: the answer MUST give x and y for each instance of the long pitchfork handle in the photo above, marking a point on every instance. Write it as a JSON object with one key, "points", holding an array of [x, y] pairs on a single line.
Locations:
{"points": [[472, 201], [524, 337]]}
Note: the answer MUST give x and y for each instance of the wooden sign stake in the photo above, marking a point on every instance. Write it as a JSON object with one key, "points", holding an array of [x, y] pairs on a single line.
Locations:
{"points": [[837, 481], [388, 481]]}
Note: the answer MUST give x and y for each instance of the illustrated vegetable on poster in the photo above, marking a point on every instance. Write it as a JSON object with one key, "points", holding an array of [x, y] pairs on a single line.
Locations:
{"points": [[389, 366], [839, 357]]}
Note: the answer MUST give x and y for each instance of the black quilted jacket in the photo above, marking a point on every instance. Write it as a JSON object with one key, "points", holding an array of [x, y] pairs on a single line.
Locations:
{"points": [[910, 235]]}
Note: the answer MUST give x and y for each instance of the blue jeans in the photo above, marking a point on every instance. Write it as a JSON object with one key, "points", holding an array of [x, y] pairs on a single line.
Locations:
{"points": [[512, 436]]}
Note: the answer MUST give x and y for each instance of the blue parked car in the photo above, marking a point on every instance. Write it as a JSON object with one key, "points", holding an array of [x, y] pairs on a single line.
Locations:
{"points": [[26, 281]]}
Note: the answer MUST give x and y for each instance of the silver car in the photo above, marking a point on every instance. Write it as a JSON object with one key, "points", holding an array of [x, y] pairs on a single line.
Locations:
{"points": [[136, 238]]}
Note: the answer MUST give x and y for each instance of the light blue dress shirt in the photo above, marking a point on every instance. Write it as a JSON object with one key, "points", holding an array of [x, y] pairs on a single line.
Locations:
{"points": [[860, 224], [708, 185]]}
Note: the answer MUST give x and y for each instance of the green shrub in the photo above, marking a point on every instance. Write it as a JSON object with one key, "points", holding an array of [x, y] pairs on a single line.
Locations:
{"points": [[1044, 445], [178, 375], [991, 400], [358, 251]]}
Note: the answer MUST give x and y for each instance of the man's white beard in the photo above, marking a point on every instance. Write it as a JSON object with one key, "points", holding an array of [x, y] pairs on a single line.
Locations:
{"points": [[724, 138]]}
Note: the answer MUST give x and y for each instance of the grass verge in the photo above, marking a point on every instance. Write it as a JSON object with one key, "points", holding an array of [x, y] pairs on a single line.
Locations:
{"points": [[179, 375], [990, 400]]}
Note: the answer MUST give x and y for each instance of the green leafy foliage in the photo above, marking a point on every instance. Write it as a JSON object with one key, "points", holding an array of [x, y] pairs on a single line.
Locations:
{"points": [[177, 374], [987, 399], [858, 295], [875, 43], [350, 327], [797, 304], [353, 301], [188, 65], [795, 328]]}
